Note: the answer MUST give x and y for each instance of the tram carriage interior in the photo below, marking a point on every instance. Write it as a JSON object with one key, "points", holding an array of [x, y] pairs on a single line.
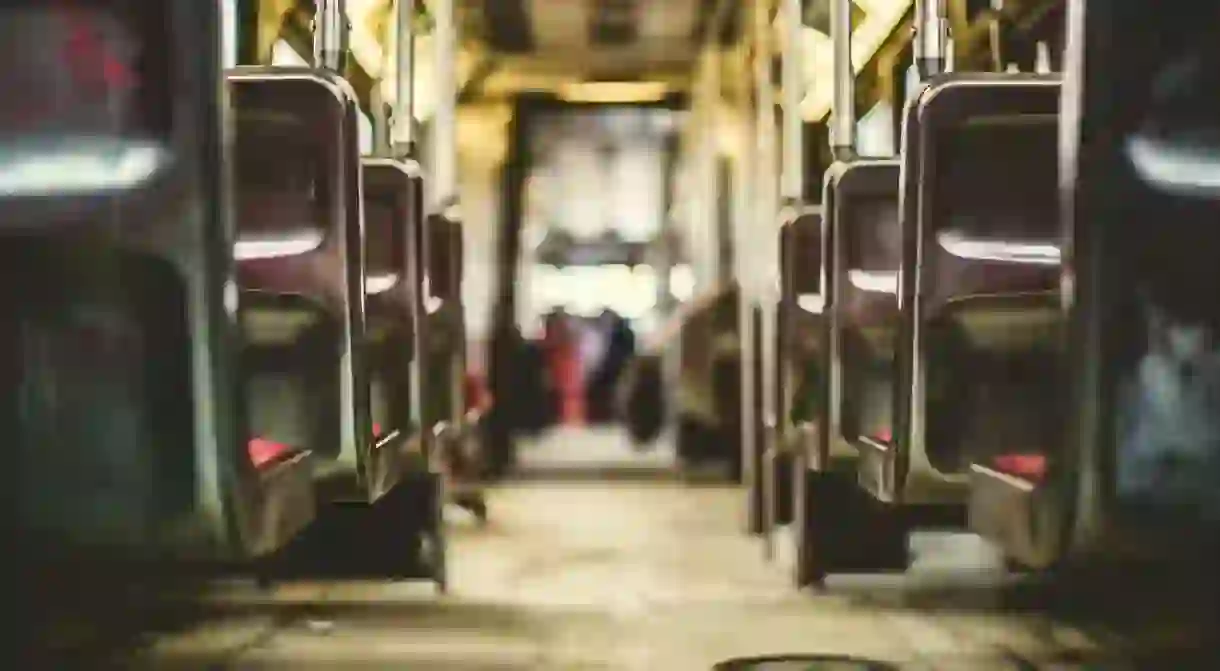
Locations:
{"points": [[608, 334]]}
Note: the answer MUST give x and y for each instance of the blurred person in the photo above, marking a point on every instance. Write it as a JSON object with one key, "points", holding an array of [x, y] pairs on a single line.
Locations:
{"points": [[617, 354], [563, 362]]}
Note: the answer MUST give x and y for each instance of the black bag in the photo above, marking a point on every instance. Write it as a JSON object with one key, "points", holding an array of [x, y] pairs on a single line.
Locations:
{"points": [[644, 400]]}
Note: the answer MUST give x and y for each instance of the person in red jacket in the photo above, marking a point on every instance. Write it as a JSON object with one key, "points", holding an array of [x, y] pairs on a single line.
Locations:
{"points": [[563, 362]]}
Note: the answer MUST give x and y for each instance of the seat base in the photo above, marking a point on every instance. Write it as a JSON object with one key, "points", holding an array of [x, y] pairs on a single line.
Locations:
{"points": [[399, 537]]}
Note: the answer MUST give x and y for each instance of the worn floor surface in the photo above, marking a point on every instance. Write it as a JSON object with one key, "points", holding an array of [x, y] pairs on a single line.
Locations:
{"points": [[610, 576]]}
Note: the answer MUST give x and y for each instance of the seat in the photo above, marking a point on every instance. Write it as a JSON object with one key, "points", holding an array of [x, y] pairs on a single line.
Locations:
{"points": [[982, 341], [898, 309], [709, 390], [444, 361], [300, 262], [393, 286], [799, 317], [124, 454], [862, 206], [1144, 454]]}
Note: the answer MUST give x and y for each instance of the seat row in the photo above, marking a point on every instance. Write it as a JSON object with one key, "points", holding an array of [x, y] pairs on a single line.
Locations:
{"points": [[1001, 333], [224, 324]]}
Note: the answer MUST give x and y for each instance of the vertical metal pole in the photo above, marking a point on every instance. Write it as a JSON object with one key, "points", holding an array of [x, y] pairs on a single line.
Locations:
{"points": [[444, 126], [792, 189], [931, 37], [843, 113], [381, 123], [445, 192], [330, 35], [403, 130], [792, 174], [996, 35]]}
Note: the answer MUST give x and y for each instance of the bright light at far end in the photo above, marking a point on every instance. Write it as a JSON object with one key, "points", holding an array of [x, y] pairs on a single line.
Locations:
{"points": [[682, 283], [614, 92]]}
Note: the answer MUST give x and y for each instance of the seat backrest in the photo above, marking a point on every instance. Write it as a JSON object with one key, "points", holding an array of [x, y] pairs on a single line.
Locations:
{"points": [[861, 201], [1141, 267], [118, 360], [444, 257], [301, 232], [800, 249], [987, 186], [391, 223]]}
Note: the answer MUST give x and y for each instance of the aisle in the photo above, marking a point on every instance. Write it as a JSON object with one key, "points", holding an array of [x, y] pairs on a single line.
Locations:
{"points": [[603, 452], [607, 576]]}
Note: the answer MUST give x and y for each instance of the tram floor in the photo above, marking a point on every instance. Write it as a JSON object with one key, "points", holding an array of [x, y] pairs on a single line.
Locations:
{"points": [[609, 576]]}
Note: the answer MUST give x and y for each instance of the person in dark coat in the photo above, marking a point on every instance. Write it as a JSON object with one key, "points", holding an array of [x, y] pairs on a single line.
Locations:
{"points": [[620, 349]]}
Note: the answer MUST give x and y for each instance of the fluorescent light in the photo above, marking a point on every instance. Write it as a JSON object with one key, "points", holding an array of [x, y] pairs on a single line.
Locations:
{"points": [[78, 166], [614, 92], [881, 282], [812, 303], [378, 284], [274, 247], [999, 250]]}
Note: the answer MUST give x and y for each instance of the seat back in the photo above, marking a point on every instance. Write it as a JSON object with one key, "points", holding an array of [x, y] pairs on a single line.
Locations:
{"points": [[390, 189], [861, 203], [122, 428], [300, 251], [444, 328], [1141, 274], [986, 340], [800, 253]]}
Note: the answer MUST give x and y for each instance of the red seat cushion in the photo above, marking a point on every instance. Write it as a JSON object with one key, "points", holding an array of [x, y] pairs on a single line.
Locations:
{"points": [[263, 451], [1028, 466]]}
